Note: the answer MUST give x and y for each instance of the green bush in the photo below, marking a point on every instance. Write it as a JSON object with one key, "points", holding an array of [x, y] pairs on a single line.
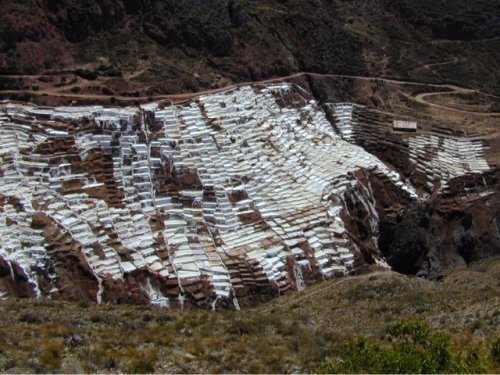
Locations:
{"points": [[495, 351], [86, 74], [474, 360], [410, 347]]}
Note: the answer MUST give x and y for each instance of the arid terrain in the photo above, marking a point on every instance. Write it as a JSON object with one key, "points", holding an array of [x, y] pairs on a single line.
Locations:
{"points": [[157, 47], [301, 332]]}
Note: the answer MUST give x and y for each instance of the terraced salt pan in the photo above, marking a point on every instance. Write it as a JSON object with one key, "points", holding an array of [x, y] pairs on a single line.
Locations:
{"points": [[266, 186], [447, 158], [433, 154]]}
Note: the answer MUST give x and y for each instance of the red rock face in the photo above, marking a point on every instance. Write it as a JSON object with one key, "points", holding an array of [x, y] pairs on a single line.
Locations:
{"points": [[224, 201]]}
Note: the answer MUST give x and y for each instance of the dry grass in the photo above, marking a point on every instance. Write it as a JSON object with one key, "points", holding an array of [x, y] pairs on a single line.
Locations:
{"points": [[294, 333]]}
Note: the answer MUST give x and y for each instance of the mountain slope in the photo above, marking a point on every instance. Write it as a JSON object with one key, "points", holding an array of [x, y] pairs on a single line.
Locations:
{"points": [[171, 46]]}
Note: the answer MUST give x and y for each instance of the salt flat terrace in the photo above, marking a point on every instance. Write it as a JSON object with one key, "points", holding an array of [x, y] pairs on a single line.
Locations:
{"points": [[437, 152], [234, 194]]}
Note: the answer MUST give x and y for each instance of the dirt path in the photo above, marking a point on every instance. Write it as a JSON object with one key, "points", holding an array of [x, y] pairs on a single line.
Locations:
{"points": [[449, 41], [421, 98], [23, 76]]}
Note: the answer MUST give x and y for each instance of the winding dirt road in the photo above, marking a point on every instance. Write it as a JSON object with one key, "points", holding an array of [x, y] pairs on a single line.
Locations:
{"points": [[421, 97]]}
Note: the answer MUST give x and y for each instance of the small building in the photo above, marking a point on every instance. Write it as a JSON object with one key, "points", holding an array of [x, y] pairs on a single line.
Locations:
{"points": [[403, 125]]}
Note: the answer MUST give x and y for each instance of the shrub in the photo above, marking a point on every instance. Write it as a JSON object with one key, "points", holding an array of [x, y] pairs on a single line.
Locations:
{"points": [[495, 351], [109, 70], [30, 318], [474, 360], [107, 91], [99, 356], [410, 347], [96, 318], [415, 331], [241, 327], [83, 304], [141, 361], [163, 318], [46, 79], [86, 74], [51, 354], [147, 317]]}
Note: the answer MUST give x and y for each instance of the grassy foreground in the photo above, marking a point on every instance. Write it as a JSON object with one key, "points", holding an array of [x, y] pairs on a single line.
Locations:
{"points": [[381, 322]]}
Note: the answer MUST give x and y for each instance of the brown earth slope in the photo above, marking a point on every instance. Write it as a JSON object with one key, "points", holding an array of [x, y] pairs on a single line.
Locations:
{"points": [[169, 46], [293, 333]]}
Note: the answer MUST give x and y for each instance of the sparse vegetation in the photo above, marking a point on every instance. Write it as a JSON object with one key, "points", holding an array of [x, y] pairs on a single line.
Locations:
{"points": [[428, 41], [383, 322], [51, 354], [107, 91]]}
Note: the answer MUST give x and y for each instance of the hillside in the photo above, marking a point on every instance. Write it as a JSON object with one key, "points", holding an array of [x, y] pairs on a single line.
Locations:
{"points": [[294, 333], [233, 197], [151, 47], [243, 186]]}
